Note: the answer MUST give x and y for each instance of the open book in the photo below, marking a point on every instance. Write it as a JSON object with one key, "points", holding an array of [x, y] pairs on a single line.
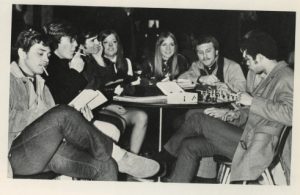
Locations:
{"points": [[88, 97]]}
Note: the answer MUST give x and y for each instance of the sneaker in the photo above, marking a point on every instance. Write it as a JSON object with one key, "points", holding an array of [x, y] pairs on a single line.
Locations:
{"points": [[137, 166], [160, 173]]}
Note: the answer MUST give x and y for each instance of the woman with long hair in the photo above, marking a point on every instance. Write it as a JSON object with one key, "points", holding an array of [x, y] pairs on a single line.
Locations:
{"points": [[167, 63], [113, 66]]}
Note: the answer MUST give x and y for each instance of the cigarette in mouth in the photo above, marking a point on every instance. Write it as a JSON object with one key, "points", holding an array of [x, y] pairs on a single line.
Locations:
{"points": [[45, 71]]}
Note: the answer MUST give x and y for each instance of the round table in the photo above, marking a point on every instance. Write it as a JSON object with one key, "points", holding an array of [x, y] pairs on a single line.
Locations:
{"points": [[161, 106]]}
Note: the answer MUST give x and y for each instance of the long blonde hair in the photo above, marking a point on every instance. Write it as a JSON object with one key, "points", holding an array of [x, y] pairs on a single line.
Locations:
{"points": [[158, 56]]}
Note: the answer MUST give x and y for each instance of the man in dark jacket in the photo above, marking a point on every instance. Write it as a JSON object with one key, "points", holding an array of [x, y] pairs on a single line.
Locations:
{"points": [[64, 78]]}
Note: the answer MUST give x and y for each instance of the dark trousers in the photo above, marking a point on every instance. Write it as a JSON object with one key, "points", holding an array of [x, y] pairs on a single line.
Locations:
{"points": [[200, 136], [63, 141]]}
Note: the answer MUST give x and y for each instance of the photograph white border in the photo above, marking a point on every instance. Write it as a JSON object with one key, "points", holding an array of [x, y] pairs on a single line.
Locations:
{"points": [[9, 186]]}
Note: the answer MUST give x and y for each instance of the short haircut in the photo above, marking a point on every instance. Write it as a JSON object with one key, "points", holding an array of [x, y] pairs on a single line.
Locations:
{"points": [[26, 39], [208, 39], [258, 42], [56, 31]]}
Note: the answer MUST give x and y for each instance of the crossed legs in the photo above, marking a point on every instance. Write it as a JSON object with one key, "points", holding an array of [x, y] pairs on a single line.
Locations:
{"points": [[208, 137], [41, 147]]}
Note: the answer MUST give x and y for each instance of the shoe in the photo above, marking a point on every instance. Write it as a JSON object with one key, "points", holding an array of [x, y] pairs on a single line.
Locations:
{"points": [[166, 162], [137, 166], [159, 174], [164, 157]]}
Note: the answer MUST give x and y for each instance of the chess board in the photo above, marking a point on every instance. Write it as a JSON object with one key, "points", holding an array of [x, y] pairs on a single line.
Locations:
{"points": [[210, 94]]}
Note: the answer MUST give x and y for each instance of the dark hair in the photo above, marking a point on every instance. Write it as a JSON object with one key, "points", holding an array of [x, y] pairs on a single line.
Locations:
{"points": [[58, 30], [207, 39], [26, 39], [120, 63], [86, 33], [258, 42]]}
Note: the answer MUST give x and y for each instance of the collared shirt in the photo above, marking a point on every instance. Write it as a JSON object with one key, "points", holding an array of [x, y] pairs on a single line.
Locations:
{"points": [[211, 69], [25, 103], [214, 69]]}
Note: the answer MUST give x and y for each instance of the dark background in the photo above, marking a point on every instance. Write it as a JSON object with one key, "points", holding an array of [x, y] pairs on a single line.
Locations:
{"points": [[226, 25]]}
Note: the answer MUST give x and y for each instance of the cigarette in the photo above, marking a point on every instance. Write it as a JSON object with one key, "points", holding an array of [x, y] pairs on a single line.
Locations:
{"points": [[45, 71]]}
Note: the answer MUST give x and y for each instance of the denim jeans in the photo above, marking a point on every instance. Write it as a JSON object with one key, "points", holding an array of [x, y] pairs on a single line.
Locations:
{"points": [[201, 136], [63, 141]]}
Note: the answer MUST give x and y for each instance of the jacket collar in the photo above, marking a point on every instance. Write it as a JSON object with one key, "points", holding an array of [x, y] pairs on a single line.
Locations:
{"points": [[280, 65], [16, 71]]}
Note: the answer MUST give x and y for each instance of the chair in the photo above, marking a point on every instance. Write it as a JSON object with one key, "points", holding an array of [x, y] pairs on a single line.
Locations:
{"points": [[223, 175]]}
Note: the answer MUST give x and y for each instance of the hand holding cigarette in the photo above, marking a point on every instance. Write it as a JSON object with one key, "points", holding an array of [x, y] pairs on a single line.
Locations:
{"points": [[80, 51], [77, 63]]}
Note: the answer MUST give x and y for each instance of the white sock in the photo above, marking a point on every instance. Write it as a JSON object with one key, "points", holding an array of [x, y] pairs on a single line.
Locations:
{"points": [[117, 152]]}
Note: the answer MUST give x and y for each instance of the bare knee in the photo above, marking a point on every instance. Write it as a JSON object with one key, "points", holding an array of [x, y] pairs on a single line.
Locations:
{"points": [[142, 117], [139, 117]]}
